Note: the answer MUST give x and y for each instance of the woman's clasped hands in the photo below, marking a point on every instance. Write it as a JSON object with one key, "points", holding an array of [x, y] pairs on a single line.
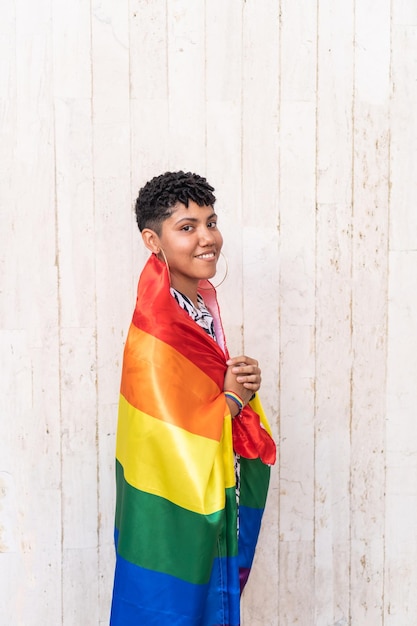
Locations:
{"points": [[243, 379]]}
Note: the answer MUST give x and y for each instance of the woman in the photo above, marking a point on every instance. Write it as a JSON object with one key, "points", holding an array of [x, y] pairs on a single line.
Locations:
{"points": [[193, 445]]}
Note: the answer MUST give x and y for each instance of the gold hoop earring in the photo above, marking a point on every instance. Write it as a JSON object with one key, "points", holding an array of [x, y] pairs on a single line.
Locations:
{"points": [[224, 277], [161, 251]]}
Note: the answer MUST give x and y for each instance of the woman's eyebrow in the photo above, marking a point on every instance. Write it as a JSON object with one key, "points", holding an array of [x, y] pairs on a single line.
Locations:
{"points": [[194, 219]]}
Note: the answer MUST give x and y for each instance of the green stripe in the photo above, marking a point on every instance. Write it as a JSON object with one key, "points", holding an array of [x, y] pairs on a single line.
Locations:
{"points": [[161, 536], [254, 482]]}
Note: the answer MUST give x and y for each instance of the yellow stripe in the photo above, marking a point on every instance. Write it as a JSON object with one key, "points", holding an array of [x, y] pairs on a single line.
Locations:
{"points": [[165, 460]]}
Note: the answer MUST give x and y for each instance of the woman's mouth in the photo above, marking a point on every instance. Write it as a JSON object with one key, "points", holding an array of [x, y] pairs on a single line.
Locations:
{"points": [[206, 255]]}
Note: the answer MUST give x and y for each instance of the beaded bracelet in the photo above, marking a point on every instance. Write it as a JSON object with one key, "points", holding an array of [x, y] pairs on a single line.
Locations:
{"points": [[236, 399]]}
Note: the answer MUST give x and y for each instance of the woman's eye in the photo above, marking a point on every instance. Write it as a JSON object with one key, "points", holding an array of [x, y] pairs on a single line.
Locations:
{"points": [[187, 228], [212, 224]]}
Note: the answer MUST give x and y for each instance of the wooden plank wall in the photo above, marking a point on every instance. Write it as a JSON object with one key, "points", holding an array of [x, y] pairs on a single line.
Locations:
{"points": [[302, 114]]}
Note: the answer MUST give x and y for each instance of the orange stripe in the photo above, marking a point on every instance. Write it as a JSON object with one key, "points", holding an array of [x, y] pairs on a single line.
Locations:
{"points": [[154, 379]]}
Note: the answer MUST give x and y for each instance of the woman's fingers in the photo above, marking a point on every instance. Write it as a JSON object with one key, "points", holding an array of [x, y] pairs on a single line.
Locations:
{"points": [[247, 371], [242, 360]]}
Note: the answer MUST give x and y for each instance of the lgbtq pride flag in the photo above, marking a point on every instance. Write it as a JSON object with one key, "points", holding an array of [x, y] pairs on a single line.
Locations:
{"points": [[180, 560]]}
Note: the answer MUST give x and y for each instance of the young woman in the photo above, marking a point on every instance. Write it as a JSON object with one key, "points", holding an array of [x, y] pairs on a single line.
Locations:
{"points": [[193, 445]]}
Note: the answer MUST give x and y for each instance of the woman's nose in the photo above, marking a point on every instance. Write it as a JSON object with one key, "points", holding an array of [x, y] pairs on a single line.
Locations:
{"points": [[207, 236]]}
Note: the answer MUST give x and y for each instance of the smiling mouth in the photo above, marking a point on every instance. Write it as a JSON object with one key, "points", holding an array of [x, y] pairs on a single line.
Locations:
{"points": [[206, 255]]}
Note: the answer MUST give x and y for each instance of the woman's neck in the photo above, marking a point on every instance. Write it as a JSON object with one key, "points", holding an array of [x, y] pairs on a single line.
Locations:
{"points": [[187, 288]]}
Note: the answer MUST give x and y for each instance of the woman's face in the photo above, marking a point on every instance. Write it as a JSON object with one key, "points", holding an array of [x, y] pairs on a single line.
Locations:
{"points": [[192, 243]]}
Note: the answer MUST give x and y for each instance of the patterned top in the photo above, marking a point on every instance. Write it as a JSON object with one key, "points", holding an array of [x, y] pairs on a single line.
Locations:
{"points": [[201, 315]]}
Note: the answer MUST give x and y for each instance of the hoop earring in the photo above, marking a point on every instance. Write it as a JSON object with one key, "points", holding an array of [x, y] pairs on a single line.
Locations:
{"points": [[224, 277], [161, 251]]}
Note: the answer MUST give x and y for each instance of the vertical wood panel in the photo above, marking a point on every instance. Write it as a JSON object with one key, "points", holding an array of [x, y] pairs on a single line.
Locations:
{"points": [[297, 310], [12, 333], [259, 227], [333, 312], [29, 432], [223, 149], [76, 261], [148, 58], [369, 308], [403, 164], [114, 233], [401, 492], [186, 84]]}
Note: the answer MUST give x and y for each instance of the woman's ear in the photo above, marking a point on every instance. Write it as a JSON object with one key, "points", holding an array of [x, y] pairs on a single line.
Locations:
{"points": [[151, 240]]}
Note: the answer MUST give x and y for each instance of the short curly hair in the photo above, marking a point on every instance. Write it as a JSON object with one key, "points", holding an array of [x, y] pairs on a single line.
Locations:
{"points": [[157, 198]]}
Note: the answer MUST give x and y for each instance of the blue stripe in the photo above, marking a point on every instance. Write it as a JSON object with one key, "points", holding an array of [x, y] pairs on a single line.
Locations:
{"points": [[142, 596], [249, 526]]}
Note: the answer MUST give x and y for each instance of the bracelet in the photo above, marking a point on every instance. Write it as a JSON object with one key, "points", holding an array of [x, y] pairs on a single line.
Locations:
{"points": [[236, 399]]}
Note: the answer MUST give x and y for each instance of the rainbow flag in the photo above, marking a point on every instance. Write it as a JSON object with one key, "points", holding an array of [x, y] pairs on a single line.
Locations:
{"points": [[179, 558]]}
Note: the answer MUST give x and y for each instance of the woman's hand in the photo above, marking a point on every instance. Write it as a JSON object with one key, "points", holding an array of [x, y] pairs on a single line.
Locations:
{"points": [[243, 377]]}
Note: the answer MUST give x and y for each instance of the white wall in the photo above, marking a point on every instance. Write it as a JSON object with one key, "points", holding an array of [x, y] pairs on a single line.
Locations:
{"points": [[302, 115]]}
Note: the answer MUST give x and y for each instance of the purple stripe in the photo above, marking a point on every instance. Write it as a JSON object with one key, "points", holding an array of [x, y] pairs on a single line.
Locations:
{"points": [[243, 577]]}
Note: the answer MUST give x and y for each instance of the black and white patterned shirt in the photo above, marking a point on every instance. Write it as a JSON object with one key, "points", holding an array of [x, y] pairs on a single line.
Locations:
{"points": [[201, 315]]}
